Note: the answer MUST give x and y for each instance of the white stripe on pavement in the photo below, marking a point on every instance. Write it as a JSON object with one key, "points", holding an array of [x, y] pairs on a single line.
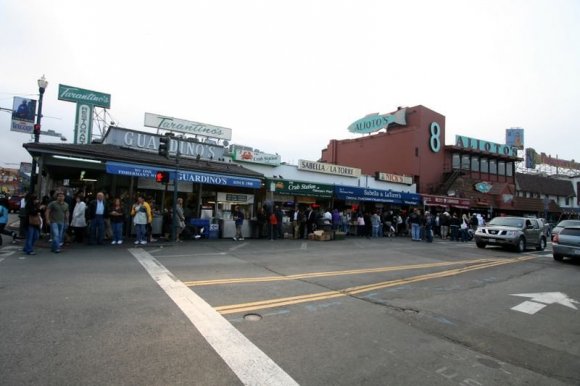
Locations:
{"points": [[251, 365]]}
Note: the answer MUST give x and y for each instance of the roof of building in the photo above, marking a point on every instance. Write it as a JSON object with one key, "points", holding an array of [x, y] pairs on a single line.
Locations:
{"points": [[119, 154], [535, 183]]}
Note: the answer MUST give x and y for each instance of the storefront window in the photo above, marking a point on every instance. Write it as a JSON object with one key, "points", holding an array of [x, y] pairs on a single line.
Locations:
{"points": [[509, 169], [484, 165], [492, 166], [501, 168], [455, 161], [465, 162], [475, 164]]}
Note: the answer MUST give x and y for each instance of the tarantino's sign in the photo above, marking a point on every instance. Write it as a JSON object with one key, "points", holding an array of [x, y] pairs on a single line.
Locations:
{"points": [[163, 122], [319, 167], [394, 178]]}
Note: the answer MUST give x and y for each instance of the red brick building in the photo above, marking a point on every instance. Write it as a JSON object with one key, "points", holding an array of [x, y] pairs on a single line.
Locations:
{"points": [[470, 174]]}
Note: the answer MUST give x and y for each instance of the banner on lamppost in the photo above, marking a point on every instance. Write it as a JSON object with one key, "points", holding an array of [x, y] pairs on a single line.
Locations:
{"points": [[86, 101], [23, 113]]}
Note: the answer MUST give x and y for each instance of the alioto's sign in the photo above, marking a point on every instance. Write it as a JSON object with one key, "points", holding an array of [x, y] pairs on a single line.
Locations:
{"points": [[490, 147], [320, 167]]}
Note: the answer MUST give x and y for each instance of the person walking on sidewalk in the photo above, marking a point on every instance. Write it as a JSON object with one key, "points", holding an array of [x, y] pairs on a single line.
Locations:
{"points": [[98, 211], [4, 219], [57, 217], [79, 220], [32, 219], [117, 217]]}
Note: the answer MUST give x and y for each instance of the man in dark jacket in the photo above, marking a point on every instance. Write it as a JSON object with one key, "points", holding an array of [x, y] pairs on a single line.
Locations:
{"points": [[97, 211]]}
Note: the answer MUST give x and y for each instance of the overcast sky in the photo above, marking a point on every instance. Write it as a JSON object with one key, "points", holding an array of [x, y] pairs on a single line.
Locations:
{"points": [[288, 76]]}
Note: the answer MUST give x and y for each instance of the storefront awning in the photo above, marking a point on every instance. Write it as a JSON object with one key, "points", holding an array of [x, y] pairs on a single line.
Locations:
{"points": [[445, 201], [349, 193], [148, 171]]}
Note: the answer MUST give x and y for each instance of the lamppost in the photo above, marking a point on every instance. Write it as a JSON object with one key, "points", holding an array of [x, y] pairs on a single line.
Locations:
{"points": [[42, 83]]}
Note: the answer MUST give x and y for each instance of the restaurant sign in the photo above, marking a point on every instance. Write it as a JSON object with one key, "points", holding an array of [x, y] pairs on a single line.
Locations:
{"points": [[86, 101], [462, 203], [349, 193], [256, 158], [150, 142], [490, 147], [298, 188], [320, 167], [394, 178], [163, 122]]}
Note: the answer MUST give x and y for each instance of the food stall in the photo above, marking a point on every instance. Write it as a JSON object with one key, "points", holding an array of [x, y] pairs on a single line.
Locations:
{"points": [[225, 204]]}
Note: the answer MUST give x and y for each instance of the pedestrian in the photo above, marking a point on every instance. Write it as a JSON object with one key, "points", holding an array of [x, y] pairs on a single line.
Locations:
{"points": [[273, 221], [375, 223], [180, 219], [463, 227], [428, 223], [79, 221], [98, 210], [239, 221], [57, 217], [117, 218], [310, 218], [4, 212], [262, 221], [415, 222], [279, 216], [444, 221], [32, 222], [141, 212], [22, 229], [454, 224], [296, 222]]}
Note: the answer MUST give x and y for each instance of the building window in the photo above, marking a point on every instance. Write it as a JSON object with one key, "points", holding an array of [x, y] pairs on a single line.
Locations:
{"points": [[484, 165], [509, 169], [492, 166], [455, 161], [465, 162], [501, 168], [474, 164], [567, 201]]}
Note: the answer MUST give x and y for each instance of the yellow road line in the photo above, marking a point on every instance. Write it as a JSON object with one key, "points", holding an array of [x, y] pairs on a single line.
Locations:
{"points": [[331, 273], [253, 306]]}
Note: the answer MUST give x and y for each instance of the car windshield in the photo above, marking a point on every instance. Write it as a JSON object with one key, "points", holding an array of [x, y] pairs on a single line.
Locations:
{"points": [[507, 222], [568, 223]]}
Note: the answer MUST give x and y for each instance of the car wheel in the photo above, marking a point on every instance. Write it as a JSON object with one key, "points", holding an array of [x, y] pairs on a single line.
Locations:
{"points": [[558, 257], [542, 244], [521, 247], [480, 244]]}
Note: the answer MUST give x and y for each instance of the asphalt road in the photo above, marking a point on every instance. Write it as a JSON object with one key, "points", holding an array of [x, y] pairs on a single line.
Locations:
{"points": [[352, 312]]}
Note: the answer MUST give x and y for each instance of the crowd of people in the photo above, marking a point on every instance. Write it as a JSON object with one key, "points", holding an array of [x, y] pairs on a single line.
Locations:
{"points": [[418, 224], [97, 220]]}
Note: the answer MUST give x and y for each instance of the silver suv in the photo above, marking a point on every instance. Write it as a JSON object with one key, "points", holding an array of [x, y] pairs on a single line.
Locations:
{"points": [[516, 232]]}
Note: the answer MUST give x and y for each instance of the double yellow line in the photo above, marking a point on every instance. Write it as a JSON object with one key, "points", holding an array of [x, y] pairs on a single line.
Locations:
{"points": [[246, 280], [280, 302]]}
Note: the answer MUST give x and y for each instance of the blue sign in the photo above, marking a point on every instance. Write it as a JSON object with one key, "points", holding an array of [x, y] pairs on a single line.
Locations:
{"points": [[349, 193], [187, 176]]}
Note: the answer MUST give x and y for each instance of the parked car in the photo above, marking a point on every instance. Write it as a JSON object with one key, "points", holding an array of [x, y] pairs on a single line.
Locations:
{"points": [[566, 243], [515, 232], [14, 204], [563, 224]]}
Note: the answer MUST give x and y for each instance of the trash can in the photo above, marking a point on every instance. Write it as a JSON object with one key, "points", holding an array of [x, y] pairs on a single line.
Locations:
{"points": [[214, 231]]}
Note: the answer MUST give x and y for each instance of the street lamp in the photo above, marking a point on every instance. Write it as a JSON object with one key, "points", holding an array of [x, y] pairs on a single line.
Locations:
{"points": [[42, 83]]}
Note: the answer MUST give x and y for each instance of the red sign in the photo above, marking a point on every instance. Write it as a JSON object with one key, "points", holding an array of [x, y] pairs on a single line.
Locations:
{"points": [[462, 203]]}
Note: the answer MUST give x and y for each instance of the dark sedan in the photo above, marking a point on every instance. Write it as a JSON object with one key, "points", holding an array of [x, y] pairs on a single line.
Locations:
{"points": [[562, 224], [566, 243]]}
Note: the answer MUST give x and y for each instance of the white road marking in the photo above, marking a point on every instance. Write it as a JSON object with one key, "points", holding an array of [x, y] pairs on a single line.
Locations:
{"points": [[238, 247], [251, 365], [304, 245], [1, 259], [540, 300], [528, 307]]}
